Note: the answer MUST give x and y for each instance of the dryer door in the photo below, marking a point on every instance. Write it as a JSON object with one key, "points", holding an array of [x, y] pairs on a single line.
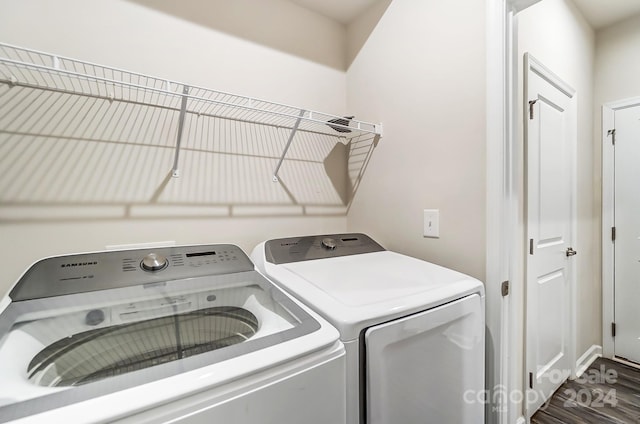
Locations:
{"points": [[428, 367]]}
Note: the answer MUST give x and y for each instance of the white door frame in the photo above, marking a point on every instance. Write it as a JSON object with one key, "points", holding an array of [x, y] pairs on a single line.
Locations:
{"points": [[504, 237], [501, 208], [608, 220], [498, 208]]}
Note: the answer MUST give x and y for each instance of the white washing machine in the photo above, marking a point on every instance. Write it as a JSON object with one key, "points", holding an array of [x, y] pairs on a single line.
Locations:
{"points": [[184, 334], [413, 331]]}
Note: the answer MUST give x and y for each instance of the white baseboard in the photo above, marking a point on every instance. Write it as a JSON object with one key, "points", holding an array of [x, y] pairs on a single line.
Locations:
{"points": [[626, 362], [587, 358]]}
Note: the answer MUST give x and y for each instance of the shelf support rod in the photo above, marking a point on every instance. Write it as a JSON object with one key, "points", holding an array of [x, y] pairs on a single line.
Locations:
{"points": [[286, 148], [183, 110]]}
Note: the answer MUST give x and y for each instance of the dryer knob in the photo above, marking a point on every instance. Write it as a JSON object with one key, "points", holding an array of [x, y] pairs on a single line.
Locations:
{"points": [[154, 262], [329, 243]]}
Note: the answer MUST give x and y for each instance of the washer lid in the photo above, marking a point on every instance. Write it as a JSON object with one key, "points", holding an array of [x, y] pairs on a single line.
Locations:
{"points": [[356, 291], [68, 348]]}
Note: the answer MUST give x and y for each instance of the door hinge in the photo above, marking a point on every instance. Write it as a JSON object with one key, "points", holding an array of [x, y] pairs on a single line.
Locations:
{"points": [[531, 246], [531, 103], [531, 380], [612, 133], [613, 233], [613, 329], [504, 288]]}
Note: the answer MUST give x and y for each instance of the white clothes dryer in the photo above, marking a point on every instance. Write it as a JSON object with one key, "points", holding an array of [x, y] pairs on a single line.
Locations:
{"points": [[185, 334], [413, 331]]}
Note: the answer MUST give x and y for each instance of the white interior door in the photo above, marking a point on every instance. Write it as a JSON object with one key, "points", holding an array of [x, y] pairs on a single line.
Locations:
{"points": [[550, 151], [627, 239]]}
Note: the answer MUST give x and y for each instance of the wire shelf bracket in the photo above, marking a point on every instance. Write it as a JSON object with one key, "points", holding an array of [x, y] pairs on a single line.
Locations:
{"points": [[286, 148], [183, 109]]}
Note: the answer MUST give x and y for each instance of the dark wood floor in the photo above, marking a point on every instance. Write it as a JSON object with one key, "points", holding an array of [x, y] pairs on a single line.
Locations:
{"points": [[609, 392]]}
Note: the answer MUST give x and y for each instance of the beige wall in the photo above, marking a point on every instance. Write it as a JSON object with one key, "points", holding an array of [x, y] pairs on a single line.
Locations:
{"points": [[280, 24], [421, 73], [128, 35], [616, 78], [131, 36], [403, 75], [616, 64], [616, 74], [556, 34]]}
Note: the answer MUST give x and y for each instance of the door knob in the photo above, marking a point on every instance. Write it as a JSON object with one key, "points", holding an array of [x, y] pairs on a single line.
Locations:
{"points": [[571, 252]]}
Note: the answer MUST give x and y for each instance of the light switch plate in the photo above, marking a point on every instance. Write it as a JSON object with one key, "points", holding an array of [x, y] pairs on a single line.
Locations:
{"points": [[431, 223]]}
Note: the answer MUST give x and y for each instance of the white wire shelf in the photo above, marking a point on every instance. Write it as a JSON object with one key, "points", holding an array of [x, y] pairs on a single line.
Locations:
{"points": [[62, 78]]}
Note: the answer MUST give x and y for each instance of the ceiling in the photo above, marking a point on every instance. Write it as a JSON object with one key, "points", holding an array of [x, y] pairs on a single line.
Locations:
{"points": [[343, 11], [599, 13], [602, 13]]}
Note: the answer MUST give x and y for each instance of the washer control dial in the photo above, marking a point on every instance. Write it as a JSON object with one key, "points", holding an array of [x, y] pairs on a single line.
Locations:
{"points": [[94, 317], [154, 262], [329, 243]]}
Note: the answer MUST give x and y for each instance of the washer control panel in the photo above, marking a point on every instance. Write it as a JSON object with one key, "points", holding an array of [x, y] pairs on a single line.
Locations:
{"points": [[306, 248], [63, 275]]}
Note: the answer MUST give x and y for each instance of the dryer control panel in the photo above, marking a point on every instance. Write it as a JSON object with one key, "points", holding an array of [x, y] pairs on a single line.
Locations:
{"points": [[71, 274], [306, 248]]}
